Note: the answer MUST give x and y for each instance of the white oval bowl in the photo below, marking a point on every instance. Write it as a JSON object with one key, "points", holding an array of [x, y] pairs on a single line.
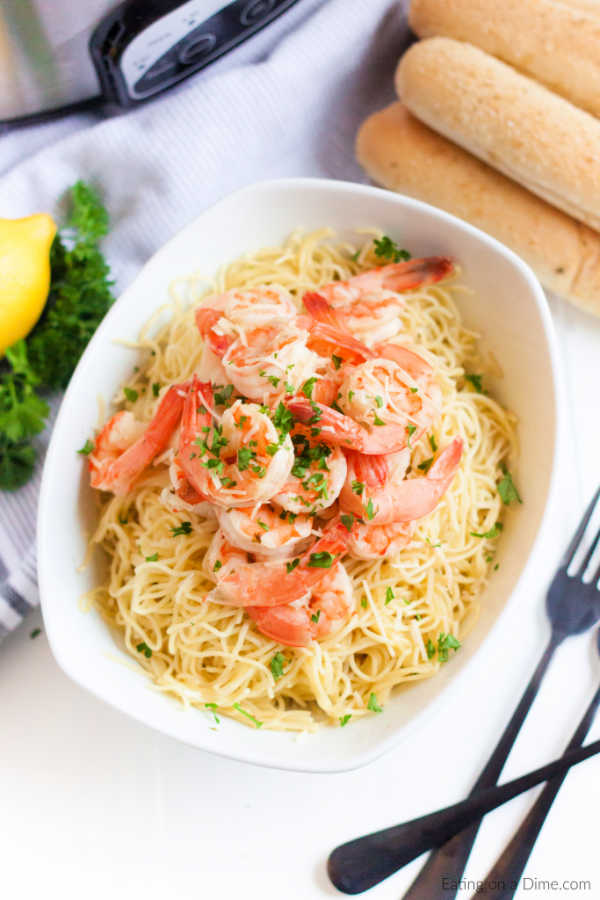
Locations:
{"points": [[508, 309]]}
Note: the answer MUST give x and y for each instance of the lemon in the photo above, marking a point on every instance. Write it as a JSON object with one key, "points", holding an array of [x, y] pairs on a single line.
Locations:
{"points": [[24, 274]]}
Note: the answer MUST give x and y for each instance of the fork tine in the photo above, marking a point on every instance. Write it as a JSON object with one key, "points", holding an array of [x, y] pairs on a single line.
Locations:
{"points": [[586, 560], [596, 574], [571, 549]]}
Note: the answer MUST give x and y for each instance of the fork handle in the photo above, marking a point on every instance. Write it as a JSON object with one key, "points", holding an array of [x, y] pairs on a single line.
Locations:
{"points": [[445, 866], [359, 864], [508, 869]]}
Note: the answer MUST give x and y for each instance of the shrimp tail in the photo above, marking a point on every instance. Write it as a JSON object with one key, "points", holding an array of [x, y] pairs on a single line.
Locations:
{"points": [[206, 318], [414, 273], [416, 497]]}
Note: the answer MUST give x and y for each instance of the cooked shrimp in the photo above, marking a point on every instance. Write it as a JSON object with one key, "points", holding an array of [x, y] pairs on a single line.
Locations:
{"points": [[273, 584], [325, 610], [380, 499], [265, 532], [317, 476], [239, 310], [222, 557], [125, 447], [367, 541], [340, 430], [240, 462], [370, 303], [182, 497]]}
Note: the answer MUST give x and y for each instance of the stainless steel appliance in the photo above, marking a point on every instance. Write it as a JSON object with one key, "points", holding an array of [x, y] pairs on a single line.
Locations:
{"points": [[60, 55]]}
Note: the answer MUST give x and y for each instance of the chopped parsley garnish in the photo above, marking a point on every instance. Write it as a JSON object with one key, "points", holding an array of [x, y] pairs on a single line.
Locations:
{"points": [[183, 528], [145, 649], [321, 560], [357, 487], [130, 394], [283, 420], [213, 707], [337, 361], [273, 379], [378, 401], [262, 525], [123, 520], [492, 533], [290, 566], [426, 464], [386, 248], [228, 482], [432, 443], [223, 394], [347, 520], [389, 595], [350, 396], [414, 390], [410, 430], [363, 602], [276, 665], [475, 380], [35, 632], [272, 449], [430, 647], [506, 488], [316, 413], [377, 420], [87, 448], [373, 705], [345, 719], [355, 256], [369, 509], [153, 558], [155, 389], [307, 387], [316, 616], [217, 565], [446, 642], [248, 715], [244, 455]]}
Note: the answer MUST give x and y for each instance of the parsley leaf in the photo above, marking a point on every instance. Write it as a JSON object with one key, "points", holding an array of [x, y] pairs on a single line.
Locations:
{"points": [[130, 394], [492, 533], [87, 448], [307, 387], [145, 649], [357, 487], [337, 361], [432, 443], [446, 642], [506, 488], [248, 715], [183, 528], [347, 521], [345, 719], [321, 560], [316, 616], [425, 465], [475, 380], [276, 665], [373, 704], [155, 389], [290, 566], [386, 248], [389, 595], [369, 509], [153, 558]]}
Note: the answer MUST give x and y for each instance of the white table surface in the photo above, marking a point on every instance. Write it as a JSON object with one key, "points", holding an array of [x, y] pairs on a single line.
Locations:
{"points": [[95, 805]]}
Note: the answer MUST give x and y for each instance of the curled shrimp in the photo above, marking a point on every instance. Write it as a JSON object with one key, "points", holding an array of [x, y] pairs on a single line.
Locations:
{"points": [[274, 584], [124, 447], [324, 611], [384, 499], [240, 462], [366, 541], [317, 476], [369, 302], [182, 497], [265, 532]]}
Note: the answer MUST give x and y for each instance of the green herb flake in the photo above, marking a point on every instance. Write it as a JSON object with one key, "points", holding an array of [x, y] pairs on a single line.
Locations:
{"points": [[369, 509], [36, 631], [182, 528], [321, 560], [130, 394], [389, 595], [345, 719], [153, 558], [506, 488], [347, 520], [492, 533], [337, 361], [213, 708], [432, 443], [145, 649], [217, 565], [307, 387], [248, 715], [87, 448], [446, 642], [430, 648], [316, 616], [276, 665], [373, 705], [426, 464], [357, 487], [386, 248], [377, 420], [475, 380], [290, 566]]}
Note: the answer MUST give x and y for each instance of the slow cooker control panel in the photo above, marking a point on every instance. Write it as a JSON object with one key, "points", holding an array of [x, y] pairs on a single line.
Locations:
{"points": [[143, 47]]}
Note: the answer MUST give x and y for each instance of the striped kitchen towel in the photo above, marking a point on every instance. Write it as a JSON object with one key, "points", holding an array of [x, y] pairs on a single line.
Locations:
{"points": [[295, 112]]}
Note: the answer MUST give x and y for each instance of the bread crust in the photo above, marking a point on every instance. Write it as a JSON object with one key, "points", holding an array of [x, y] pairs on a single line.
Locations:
{"points": [[557, 44], [507, 120], [402, 154]]}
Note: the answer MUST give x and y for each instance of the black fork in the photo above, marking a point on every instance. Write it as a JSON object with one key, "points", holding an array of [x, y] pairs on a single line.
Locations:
{"points": [[573, 607]]}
